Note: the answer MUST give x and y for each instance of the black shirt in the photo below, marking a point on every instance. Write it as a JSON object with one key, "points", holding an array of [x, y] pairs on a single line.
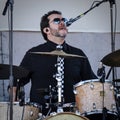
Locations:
{"points": [[42, 69]]}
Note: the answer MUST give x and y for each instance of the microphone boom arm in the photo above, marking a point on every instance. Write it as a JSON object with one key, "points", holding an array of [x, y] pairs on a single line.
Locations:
{"points": [[79, 16]]}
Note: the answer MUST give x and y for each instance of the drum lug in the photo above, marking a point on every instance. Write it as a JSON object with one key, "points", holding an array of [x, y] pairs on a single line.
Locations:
{"points": [[113, 107], [92, 86], [94, 106], [53, 114], [75, 92], [31, 113], [111, 87]]}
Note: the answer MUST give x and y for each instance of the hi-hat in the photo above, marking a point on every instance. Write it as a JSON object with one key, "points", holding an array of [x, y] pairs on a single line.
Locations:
{"points": [[58, 53], [112, 59], [18, 72]]}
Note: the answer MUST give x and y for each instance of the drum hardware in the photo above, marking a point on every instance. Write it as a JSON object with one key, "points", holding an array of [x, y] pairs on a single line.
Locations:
{"points": [[59, 77], [41, 116], [52, 97], [92, 85], [101, 75], [21, 96]]}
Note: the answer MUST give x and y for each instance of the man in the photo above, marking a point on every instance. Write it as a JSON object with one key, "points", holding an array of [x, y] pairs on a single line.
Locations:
{"points": [[44, 68]]}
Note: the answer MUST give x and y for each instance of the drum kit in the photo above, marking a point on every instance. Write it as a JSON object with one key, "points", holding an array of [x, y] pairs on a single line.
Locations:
{"points": [[94, 100]]}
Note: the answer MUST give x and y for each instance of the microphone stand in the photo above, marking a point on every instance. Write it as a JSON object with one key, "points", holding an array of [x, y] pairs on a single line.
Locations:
{"points": [[102, 80], [9, 4], [101, 76], [112, 34], [79, 16]]}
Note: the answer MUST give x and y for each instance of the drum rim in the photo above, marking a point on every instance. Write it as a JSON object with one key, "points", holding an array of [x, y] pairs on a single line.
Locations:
{"points": [[33, 104], [98, 112], [88, 81]]}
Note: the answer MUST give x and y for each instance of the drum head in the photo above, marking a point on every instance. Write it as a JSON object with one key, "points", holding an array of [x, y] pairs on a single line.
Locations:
{"points": [[66, 116]]}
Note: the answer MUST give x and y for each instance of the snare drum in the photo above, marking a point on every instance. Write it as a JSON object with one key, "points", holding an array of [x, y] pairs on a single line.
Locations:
{"points": [[65, 116], [30, 111], [90, 97]]}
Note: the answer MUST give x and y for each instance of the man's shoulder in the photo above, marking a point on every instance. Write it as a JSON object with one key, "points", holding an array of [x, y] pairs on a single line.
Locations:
{"points": [[39, 47], [75, 50]]}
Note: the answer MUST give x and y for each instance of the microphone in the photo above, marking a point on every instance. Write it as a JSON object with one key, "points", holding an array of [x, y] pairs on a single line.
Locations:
{"points": [[21, 96], [71, 20], [101, 72], [100, 69]]}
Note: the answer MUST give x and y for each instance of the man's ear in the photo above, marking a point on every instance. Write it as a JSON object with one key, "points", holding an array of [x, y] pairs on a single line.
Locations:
{"points": [[46, 30]]}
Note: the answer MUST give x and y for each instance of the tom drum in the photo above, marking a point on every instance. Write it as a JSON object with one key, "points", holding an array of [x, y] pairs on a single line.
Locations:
{"points": [[92, 96], [30, 111]]}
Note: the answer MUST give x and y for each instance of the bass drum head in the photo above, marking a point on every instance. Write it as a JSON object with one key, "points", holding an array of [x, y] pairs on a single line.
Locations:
{"points": [[66, 116]]}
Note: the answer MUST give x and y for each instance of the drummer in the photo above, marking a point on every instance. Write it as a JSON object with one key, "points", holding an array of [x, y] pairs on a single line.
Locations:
{"points": [[43, 68]]}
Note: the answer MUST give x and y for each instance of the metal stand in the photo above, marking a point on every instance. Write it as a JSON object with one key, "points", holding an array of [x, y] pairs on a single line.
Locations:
{"points": [[113, 69], [102, 80], [9, 4], [101, 75], [59, 77], [79, 16]]}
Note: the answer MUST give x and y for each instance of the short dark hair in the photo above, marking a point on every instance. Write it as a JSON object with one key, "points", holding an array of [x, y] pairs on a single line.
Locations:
{"points": [[45, 22]]}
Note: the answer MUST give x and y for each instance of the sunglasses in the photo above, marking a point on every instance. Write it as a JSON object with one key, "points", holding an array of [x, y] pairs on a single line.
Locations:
{"points": [[58, 20]]}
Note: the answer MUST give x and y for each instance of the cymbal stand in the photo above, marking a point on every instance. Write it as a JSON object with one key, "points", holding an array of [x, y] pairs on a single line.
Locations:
{"points": [[59, 77], [112, 2], [9, 4], [112, 33], [112, 69]]}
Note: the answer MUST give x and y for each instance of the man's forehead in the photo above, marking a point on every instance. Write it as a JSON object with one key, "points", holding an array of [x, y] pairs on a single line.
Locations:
{"points": [[52, 16]]}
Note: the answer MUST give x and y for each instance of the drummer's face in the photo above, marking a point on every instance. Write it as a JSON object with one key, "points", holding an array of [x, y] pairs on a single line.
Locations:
{"points": [[57, 26]]}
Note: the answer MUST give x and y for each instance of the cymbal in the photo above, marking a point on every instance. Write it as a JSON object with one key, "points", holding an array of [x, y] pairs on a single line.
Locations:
{"points": [[58, 53], [112, 59], [18, 72]]}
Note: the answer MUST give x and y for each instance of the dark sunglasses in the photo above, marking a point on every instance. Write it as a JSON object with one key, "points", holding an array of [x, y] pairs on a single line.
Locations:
{"points": [[58, 20]]}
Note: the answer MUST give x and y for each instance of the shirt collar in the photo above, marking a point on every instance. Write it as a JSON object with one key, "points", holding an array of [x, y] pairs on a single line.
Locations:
{"points": [[54, 45]]}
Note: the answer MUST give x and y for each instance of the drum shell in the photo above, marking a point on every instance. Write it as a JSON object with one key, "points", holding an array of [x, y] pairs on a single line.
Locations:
{"points": [[29, 111], [89, 96]]}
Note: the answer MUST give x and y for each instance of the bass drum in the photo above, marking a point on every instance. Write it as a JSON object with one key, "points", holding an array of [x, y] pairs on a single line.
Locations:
{"points": [[90, 99], [66, 116]]}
